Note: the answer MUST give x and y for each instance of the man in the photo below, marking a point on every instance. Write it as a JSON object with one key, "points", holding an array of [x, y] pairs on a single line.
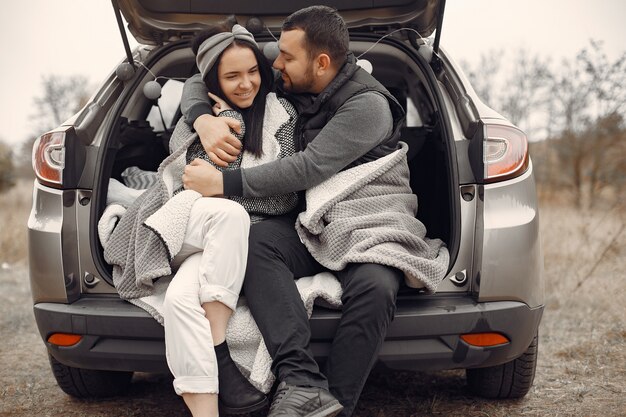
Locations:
{"points": [[346, 119]]}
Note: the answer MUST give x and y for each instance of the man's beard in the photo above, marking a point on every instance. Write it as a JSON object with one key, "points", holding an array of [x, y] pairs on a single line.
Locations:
{"points": [[306, 86]]}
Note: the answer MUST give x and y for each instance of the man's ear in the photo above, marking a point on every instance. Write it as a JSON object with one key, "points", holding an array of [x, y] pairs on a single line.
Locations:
{"points": [[323, 64]]}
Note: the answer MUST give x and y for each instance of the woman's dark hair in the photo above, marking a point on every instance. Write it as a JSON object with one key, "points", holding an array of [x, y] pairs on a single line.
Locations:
{"points": [[252, 116]]}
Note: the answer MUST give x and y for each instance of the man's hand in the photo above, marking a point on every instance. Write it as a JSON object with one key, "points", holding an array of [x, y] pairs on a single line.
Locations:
{"points": [[220, 144], [202, 177]]}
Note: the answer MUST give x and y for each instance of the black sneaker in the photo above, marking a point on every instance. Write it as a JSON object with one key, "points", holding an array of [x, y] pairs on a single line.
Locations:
{"points": [[293, 401]]}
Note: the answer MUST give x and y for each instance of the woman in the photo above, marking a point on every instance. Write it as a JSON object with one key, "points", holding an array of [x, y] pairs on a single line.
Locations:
{"points": [[205, 240], [211, 262]]}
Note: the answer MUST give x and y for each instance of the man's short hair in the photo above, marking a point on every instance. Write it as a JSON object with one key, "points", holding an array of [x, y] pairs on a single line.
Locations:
{"points": [[324, 32]]}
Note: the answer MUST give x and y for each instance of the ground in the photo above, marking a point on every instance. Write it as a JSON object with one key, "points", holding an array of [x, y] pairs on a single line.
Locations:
{"points": [[582, 353]]}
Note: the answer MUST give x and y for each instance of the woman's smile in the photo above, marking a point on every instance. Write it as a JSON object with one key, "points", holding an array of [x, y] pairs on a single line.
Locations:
{"points": [[246, 94]]}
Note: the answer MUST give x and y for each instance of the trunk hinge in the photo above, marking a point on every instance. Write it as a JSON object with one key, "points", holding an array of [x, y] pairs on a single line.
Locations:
{"points": [[436, 61], [120, 25], [442, 7]]}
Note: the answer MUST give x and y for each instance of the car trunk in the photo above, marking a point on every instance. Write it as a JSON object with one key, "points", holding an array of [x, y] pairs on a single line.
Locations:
{"points": [[140, 133], [135, 141]]}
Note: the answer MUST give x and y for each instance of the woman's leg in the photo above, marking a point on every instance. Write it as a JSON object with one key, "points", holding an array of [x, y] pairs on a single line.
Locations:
{"points": [[189, 341], [218, 315], [224, 241], [218, 229], [201, 405]]}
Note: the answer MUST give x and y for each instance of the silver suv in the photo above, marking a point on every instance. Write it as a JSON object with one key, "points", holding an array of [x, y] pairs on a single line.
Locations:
{"points": [[470, 170]]}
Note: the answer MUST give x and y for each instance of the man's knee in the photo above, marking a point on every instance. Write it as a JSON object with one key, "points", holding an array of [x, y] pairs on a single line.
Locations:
{"points": [[268, 239], [375, 284]]}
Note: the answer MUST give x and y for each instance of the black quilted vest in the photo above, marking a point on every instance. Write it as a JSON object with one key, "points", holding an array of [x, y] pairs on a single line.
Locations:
{"points": [[350, 81]]}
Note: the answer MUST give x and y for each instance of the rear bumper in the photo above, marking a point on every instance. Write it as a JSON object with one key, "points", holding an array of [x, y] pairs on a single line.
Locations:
{"points": [[424, 334]]}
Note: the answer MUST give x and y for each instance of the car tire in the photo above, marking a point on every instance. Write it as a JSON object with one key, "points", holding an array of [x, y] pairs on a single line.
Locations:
{"points": [[510, 380], [89, 383]]}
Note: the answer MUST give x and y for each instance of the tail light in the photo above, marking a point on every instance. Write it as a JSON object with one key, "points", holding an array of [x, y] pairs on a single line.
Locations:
{"points": [[49, 158], [505, 153], [59, 158]]}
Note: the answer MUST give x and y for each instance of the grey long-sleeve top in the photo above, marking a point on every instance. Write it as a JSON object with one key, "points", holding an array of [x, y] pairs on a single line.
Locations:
{"points": [[359, 125]]}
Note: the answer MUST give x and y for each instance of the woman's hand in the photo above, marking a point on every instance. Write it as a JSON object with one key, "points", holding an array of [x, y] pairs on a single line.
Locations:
{"points": [[220, 105]]}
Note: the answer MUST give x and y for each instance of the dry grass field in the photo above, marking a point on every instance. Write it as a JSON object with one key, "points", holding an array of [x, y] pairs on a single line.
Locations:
{"points": [[14, 209], [582, 348]]}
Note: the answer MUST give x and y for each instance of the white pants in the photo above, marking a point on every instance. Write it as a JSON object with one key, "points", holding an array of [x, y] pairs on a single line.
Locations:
{"points": [[212, 266]]}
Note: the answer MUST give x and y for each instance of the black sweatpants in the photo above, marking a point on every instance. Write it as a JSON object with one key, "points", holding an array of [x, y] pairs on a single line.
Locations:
{"points": [[275, 258]]}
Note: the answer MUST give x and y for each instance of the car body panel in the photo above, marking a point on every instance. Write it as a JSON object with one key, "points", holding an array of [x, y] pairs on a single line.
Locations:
{"points": [[424, 334], [512, 261], [45, 226]]}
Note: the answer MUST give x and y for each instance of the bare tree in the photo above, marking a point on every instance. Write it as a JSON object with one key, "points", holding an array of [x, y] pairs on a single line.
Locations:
{"points": [[7, 174], [61, 98], [607, 165], [485, 76], [608, 89], [606, 79], [569, 101], [525, 93], [519, 89], [589, 95]]}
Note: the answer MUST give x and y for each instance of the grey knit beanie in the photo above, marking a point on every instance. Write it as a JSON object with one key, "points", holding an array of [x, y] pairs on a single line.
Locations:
{"points": [[211, 48]]}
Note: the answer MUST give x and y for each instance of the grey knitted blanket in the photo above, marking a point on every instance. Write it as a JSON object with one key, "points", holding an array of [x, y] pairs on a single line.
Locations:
{"points": [[151, 231], [140, 254], [366, 214]]}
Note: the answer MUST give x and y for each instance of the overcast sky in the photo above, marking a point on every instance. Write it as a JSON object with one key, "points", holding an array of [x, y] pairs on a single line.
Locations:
{"points": [[80, 37]]}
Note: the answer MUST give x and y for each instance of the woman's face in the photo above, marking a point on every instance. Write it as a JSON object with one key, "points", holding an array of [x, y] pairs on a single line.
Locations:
{"points": [[239, 76]]}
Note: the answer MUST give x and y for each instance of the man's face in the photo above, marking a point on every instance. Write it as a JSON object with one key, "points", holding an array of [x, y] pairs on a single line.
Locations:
{"points": [[294, 63]]}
